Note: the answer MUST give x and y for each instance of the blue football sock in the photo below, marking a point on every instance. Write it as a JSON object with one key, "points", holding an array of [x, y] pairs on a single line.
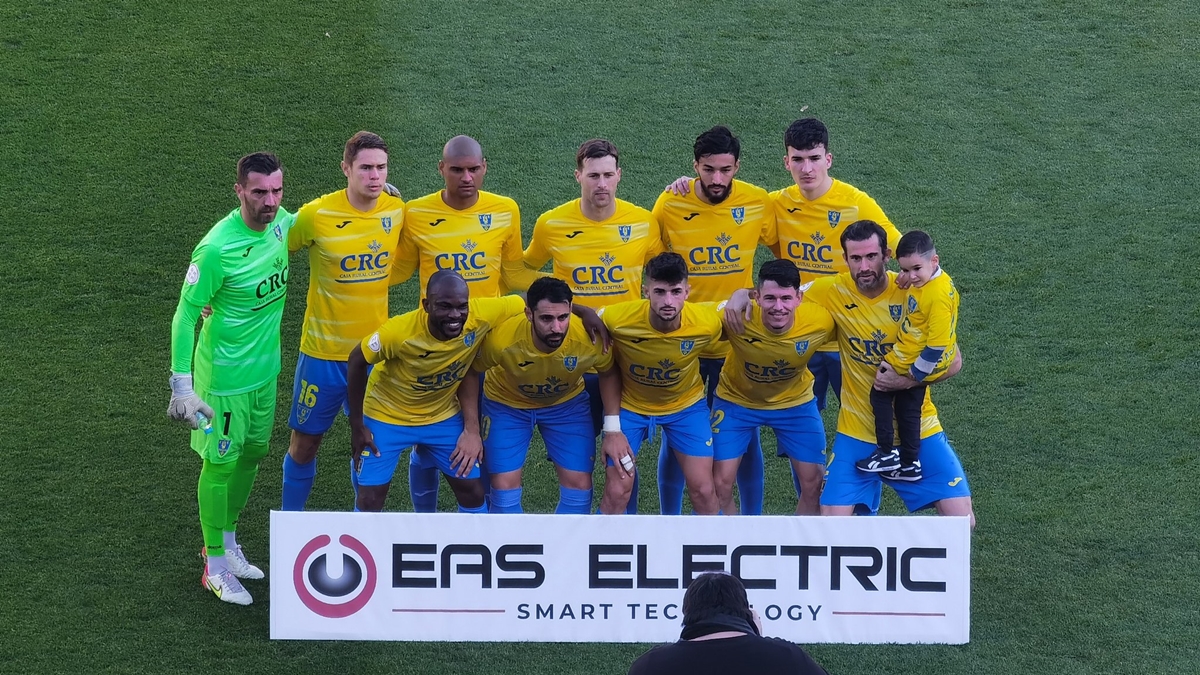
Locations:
{"points": [[506, 501], [297, 482], [570, 500], [482, 508], [670, 481], [422, 484], [750, 479]]}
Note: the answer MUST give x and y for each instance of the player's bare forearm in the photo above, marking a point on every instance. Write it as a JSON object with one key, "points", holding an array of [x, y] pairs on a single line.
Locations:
{"points": [[610, 391], [356, 384], [594, 325], [468, 401]]}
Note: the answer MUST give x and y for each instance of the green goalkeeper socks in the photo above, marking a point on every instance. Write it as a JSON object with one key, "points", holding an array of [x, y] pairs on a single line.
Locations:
{"points": [[212, 494], [240, 483]]}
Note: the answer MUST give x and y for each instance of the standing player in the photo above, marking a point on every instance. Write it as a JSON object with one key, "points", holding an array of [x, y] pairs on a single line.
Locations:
{"points": [[464, 229], [535, 366], [659, 341], [716, 222], [351, 235], [598, 244], [240, 268], [765, 382], [866, 306], [414, 392]]}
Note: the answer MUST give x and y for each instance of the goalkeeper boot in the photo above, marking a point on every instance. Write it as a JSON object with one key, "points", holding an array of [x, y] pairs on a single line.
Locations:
{"points": [[880, 461], [236, 561], [226, 587]]}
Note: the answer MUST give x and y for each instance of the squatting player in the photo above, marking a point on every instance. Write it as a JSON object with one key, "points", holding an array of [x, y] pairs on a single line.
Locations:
{"points": [[464, 229], [240, 268], [414, 389], [766, 382], [658, 343], [716, 223], [866, 306], [351, 236], [535, 365]]}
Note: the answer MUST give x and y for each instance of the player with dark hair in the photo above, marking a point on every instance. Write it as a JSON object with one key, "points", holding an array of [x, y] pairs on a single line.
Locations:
{"points": [[658, 343], [925, 347], [535, 366], [351, 236], [765, 382], [722, 634], [716, 222], [240, 269]]}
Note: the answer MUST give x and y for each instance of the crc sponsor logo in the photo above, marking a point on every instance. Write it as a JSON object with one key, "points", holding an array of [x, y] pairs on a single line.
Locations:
{"points": [[816, 251], [723, 257], [551, 388], [272, 288], [777, 371], [365, 266], [469, 263], [606, 278], [662, 374], [441, 380], [870, 350], [327, 595]]}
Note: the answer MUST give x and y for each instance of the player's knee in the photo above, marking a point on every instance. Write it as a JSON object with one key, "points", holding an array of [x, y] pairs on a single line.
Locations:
{"points": [[509, 480], [254, 452], [370, 498], [303, 447], [575, 480], [469, 493]]}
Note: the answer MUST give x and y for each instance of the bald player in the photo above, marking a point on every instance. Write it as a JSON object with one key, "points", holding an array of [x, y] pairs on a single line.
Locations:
{"points": [[464, 229]]}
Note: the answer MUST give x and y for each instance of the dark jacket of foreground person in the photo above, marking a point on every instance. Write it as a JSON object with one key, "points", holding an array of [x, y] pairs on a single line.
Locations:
{"points": [[721, 637]]}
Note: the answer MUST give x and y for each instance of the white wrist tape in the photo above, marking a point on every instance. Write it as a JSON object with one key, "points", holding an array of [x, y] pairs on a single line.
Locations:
{"points": [[612, 423]]}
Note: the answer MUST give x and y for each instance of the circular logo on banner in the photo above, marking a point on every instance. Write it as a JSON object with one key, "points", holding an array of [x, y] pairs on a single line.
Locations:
{"points": [[327, 596]]}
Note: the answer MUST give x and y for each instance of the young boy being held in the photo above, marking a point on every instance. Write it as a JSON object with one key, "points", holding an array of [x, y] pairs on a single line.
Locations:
{"points": [[925, 347]]}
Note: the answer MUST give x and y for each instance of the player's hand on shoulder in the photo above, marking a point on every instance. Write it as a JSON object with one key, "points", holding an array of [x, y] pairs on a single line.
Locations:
{"points": [[681, 187], [392, 190], [903, 280], [594, 325], [468, 452], [738, 310], [186, 405]]}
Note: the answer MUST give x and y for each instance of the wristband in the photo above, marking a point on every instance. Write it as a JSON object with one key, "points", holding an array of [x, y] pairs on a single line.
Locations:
{"points": [[612, 423]]}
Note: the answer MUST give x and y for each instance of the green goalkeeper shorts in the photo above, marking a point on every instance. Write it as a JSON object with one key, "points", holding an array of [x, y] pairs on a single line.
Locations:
{"points": [[241, 421]]}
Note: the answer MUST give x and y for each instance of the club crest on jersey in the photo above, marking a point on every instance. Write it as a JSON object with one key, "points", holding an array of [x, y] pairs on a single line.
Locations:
{"points": [[895, 311], [801, 347], [686, 346], [912, 304], [569, 362], [223, 446], [193, 274], [834, 218], [469, 339], [738, 213], [302, 414], [386, 222], [626, 231], [485, 221], [278, 232]]}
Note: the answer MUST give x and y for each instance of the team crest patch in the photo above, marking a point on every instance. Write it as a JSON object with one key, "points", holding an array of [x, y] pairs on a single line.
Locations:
{"points": [[738, 213], [569, 362], [686, 346], [302, 414], [912, 304], [485, 221], [896, 311], [386, 222], [469, 339], [222, 447], [626, 231], [278, 232], [834, 218], [801, 347], [193, 274]]}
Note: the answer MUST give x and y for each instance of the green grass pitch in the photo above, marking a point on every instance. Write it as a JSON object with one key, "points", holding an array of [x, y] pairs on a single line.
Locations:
{"points": [[1048, 146]]}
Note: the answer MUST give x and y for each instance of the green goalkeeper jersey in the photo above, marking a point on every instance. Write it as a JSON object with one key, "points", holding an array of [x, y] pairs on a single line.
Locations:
{"points": [[243, 274]]}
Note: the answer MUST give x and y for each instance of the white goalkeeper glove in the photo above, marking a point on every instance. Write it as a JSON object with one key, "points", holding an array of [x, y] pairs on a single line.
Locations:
{"points": [[185, 404]]}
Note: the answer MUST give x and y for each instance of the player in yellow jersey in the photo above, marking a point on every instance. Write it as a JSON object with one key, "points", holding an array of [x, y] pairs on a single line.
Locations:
{"points": [[866, 306], [810, 216], [413, 393], [925, 347], [467, 230], [464, 228], [351, 236], [716, 223], [766, 382], [658, 343], [598, 243], [535, 366]]}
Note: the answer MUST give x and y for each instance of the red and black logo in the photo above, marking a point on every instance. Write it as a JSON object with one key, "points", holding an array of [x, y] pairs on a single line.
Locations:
{"points": [[334, 598]]}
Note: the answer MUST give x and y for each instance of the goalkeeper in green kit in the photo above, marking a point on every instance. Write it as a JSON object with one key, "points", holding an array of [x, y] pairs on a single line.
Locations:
{"points": [[227, 395]]}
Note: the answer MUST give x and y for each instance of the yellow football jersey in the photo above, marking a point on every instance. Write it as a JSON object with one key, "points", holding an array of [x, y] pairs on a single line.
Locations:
{"points": [[717, 241], [350, 254], [660, 372], [867, 329], [810, 231], [930, 320], [475, 242], [601, 261], [416, 376], [769, 371], [522, 376]]}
